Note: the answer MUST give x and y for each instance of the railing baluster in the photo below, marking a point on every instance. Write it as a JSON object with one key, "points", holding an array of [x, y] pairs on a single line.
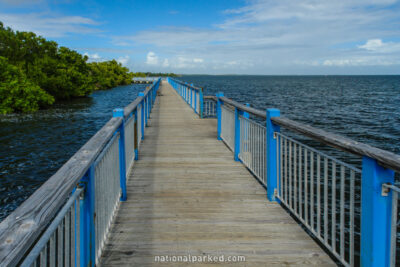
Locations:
{"points": [[290, 175], [286, 171], [326, 200], [306, 185], [318, 194], [300, 185], [312, 189], [333, 233], [295, 177], [342, 177], [52, 252], [351, 226]]}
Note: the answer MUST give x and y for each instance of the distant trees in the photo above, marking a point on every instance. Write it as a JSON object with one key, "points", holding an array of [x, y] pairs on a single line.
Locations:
{"points": [[36, 72], [109, 74], [153, 74]]}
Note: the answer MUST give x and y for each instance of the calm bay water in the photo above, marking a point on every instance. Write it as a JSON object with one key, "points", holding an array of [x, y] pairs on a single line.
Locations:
{"points": [[33, 147]]}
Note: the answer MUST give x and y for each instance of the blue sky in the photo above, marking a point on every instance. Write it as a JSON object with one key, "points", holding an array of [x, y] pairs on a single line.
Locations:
{"points": [[221, 36]]}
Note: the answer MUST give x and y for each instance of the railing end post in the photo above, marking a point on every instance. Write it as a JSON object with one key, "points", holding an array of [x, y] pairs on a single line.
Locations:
{"points": [[236, 151], [118, 112], [272, 154], [376, 214]]}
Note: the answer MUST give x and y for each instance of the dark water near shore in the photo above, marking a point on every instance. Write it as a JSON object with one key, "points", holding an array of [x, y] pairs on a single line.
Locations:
{"points": [[35, 146]]}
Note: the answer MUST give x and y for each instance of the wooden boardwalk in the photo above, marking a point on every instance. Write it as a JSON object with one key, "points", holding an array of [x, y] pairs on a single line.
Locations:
{"points": [[187, 196]]}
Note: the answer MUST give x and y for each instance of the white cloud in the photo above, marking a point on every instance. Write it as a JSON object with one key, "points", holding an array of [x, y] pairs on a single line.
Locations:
{"points": [[93, 57], [151, 59], [269, 36], [360, 61], [123, 60], [49, 25], [165, 63], [377, 45], [372, 44]]}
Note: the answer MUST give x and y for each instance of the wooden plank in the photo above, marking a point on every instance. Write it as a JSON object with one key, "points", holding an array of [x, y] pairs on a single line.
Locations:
{"points": [[186, 194], [23, 226]]}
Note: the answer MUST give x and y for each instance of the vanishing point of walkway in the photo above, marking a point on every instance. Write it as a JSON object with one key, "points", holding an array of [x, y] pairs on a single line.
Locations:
{"points": [[187, 196]]}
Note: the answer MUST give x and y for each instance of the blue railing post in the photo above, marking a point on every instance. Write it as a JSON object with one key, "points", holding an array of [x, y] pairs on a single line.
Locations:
{"points": [[142, 115], [136, 135], [119, 112], [376, 214], [83, 240], [201, 102], [237, 134], [219, 114], [195, 102], [271, 151], [86, 220]]}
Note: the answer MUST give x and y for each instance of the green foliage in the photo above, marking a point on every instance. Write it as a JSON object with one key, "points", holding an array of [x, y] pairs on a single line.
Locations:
{"points": [[109, 74], [17, 93], [36, 72]]}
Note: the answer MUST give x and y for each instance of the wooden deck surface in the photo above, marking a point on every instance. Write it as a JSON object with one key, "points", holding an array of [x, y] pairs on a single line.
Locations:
{"points": [[187, 196]]}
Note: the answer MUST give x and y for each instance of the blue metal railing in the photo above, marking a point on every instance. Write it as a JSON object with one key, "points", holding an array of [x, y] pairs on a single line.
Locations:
{"points": [[74, 234], [322, 192], [191, 94]]}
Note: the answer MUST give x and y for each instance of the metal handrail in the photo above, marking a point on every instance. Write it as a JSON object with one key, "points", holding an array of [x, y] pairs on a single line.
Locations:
{"points": [[287, 159], [384, 157], [186, 84]]}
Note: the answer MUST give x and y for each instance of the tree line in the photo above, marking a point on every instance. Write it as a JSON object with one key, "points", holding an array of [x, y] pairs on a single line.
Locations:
{"points": [[35, 72]]}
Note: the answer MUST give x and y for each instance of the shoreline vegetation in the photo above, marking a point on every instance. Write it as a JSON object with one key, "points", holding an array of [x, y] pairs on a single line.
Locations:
{"points": [[35, 73]]}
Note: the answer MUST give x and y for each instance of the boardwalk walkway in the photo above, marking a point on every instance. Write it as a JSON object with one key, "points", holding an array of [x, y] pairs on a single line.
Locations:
{"points": [[186, 195]]}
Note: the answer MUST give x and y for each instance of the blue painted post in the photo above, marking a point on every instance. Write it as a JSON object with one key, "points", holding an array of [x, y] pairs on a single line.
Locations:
{"points": [[91, 232], [86, 220], [83, 240], [219, 114], [201, 102], [195, 102], [119, 112], [271, 156], [137, 141], [237, 134], [142, 114], [376, 214]]}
